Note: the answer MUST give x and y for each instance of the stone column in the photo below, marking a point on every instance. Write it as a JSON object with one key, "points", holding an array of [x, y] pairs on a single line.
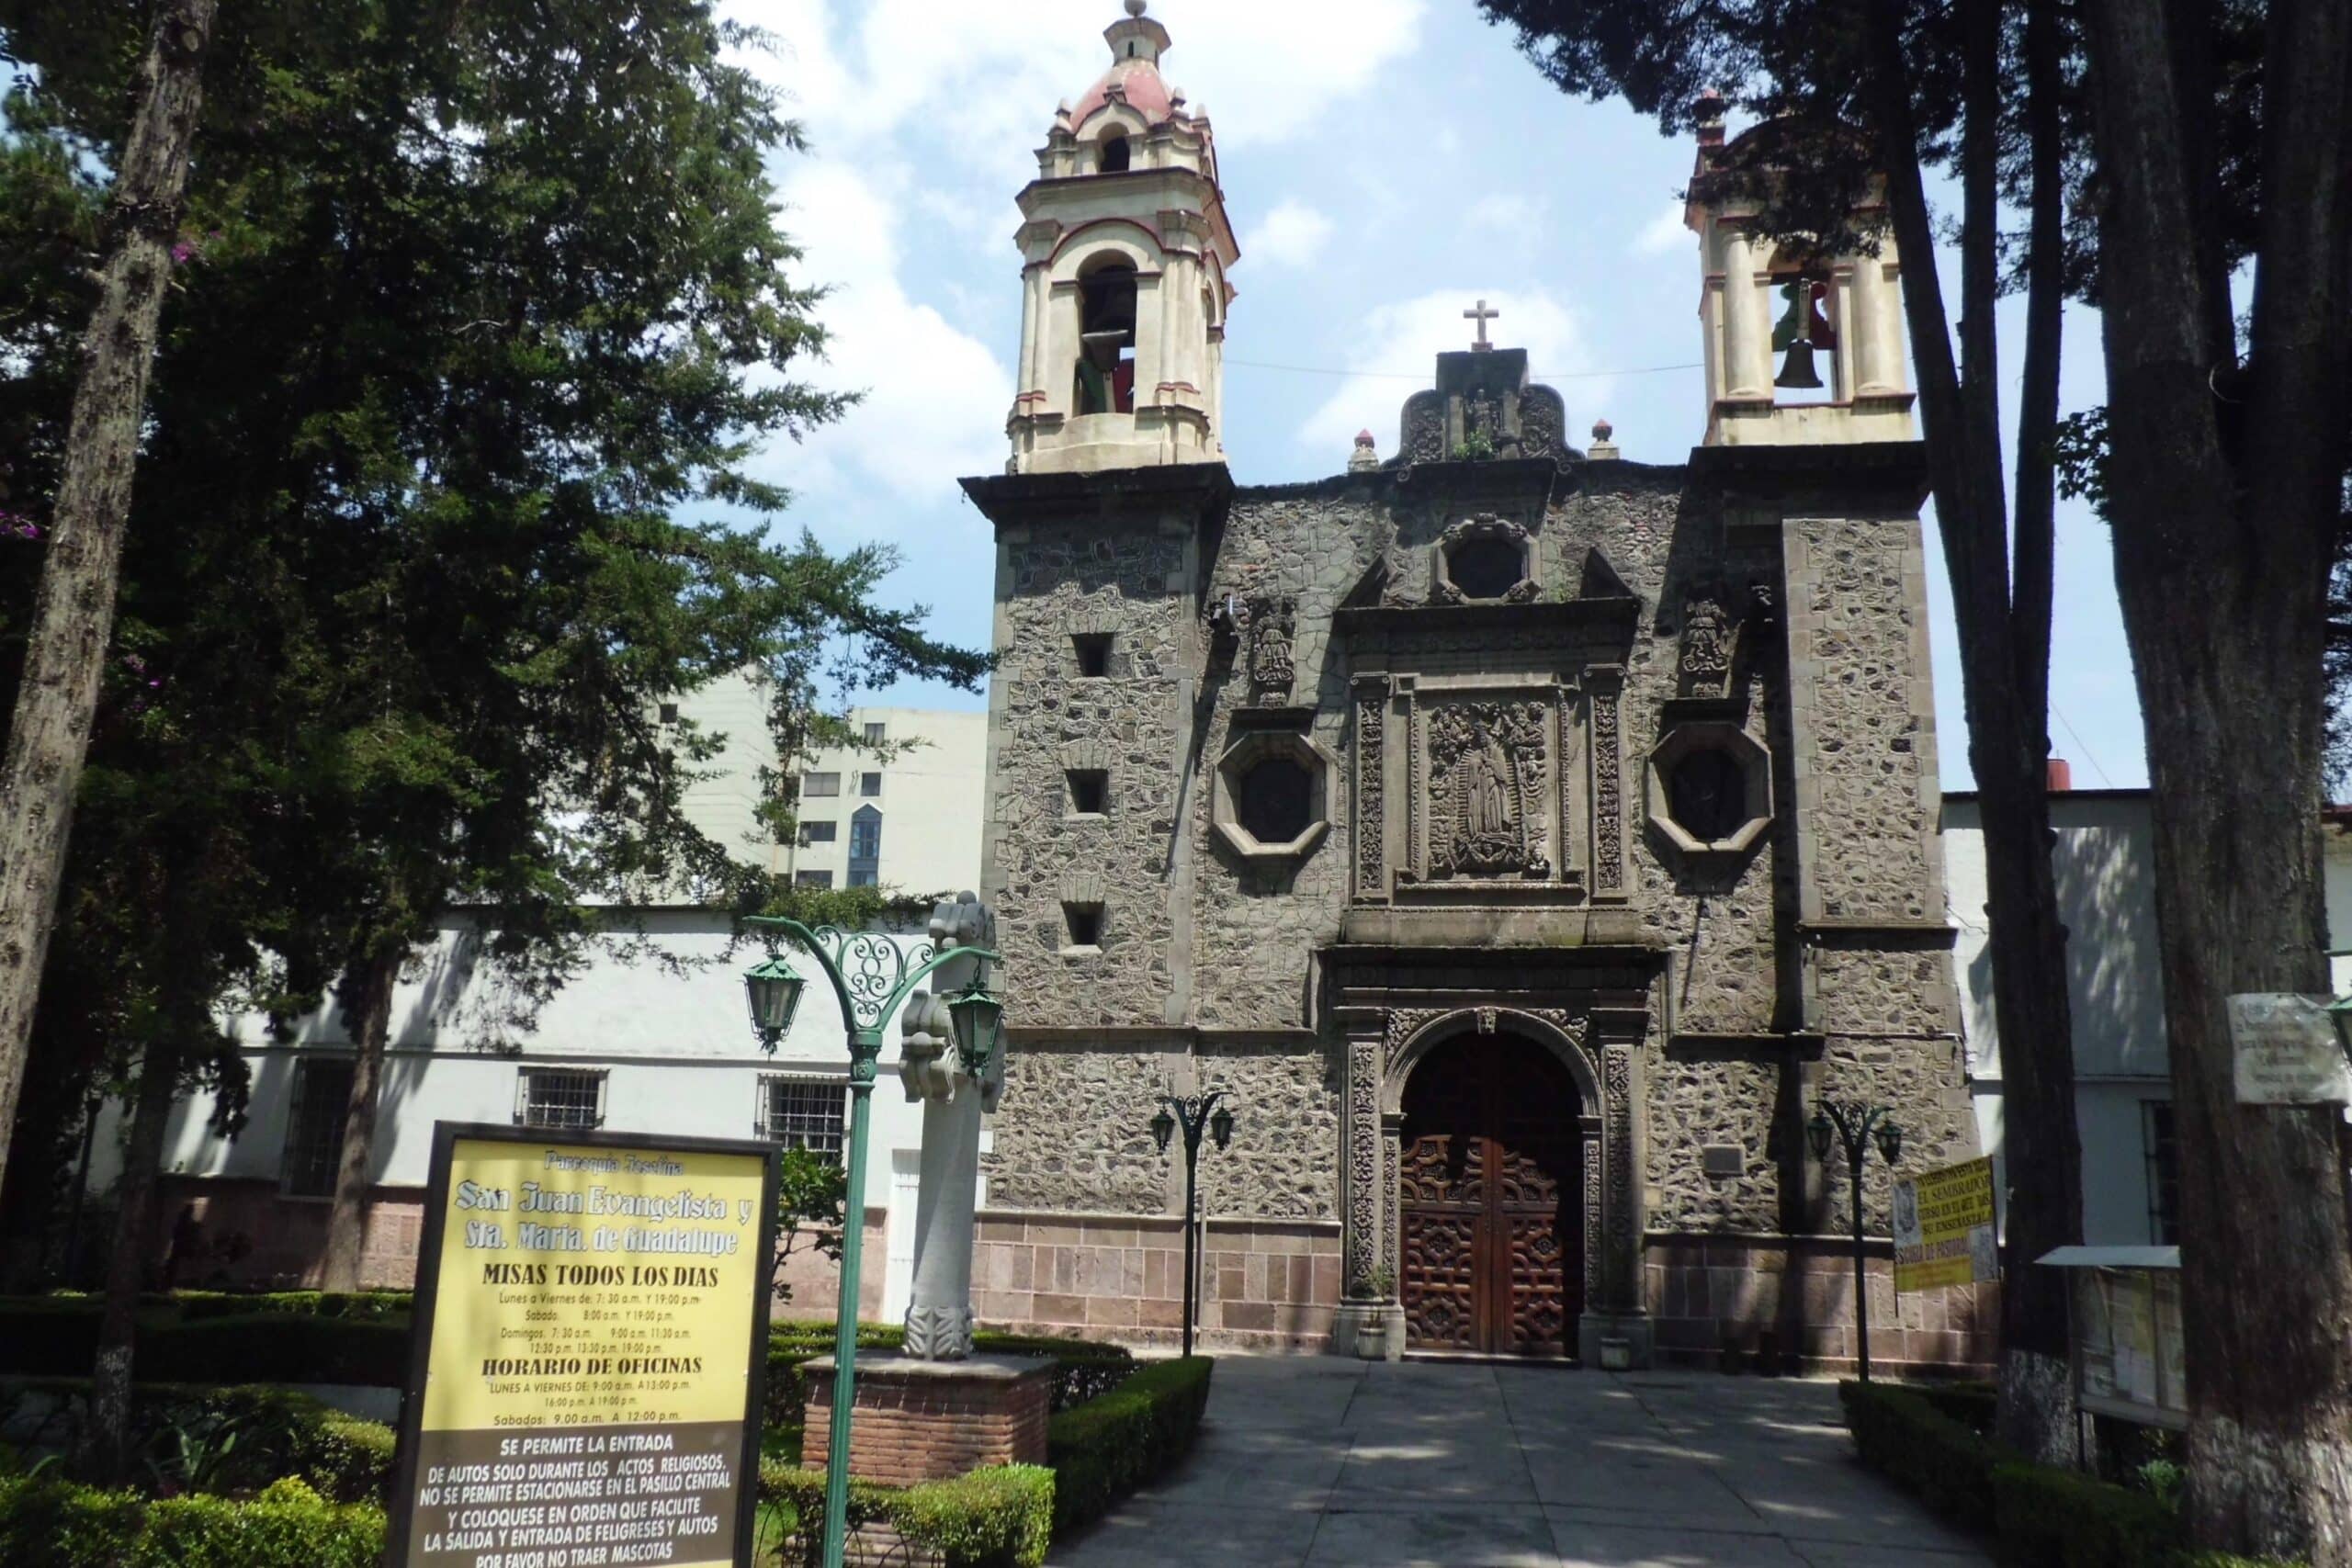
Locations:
{"points": [[1747, 328], [1877, 334], [939, 1314]]}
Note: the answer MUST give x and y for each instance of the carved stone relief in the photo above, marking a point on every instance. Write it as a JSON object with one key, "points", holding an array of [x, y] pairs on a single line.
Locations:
{"points": [[1617, 1088], [1608, 793], [1489, 790], [1272, 631], [1707, 636], [1424, 433], [1371, 792], [1364, 1163]]}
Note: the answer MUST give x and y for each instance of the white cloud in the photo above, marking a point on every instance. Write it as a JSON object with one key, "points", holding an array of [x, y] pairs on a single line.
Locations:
{"points": [[935, 397], [1293, 234], [1663, 233], [1509, 210], [1396, 349]]}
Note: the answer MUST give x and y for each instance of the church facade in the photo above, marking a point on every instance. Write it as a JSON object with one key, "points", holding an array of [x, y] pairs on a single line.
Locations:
{"points": [[1525, 840]]}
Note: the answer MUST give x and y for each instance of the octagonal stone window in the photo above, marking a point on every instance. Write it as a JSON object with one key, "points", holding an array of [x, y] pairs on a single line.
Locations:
{"points": [[1274, 796], [1710, 789], [1485, 559]]}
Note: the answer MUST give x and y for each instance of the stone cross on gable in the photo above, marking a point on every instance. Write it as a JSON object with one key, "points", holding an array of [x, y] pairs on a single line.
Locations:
{"points": [[1482, 315]]}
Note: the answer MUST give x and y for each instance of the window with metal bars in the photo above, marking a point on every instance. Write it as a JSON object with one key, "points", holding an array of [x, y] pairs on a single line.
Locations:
{"points": [[560, 1097], [2163, 1154], [315, 1126], [803, 1113]]}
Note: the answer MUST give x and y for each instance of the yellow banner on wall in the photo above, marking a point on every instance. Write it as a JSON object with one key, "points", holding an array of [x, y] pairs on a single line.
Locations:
{"points": [[1944, 1231], [593, 1311]]}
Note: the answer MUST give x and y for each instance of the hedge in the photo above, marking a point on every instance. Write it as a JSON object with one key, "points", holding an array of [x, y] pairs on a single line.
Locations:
{"points": [[2041, 1515], [1103, 1449], [365, 1306], [280, 1432], [998, 1517], [40, 1340], [1935, 1459], [50, 1523]]}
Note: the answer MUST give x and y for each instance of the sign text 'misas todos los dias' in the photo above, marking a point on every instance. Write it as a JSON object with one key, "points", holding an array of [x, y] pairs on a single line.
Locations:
{"points": [[584, 1390]]}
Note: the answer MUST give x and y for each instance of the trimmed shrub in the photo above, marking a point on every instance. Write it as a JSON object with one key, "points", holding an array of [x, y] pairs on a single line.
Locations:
{"points": [[1935, 1459], [51, 1524], [279, 1347], [998, 1517], [1103, 1449], [48, 1524], [288, 1525], [2054, 1518], [365, 1306], [1973, 1404], [279, 1432]]}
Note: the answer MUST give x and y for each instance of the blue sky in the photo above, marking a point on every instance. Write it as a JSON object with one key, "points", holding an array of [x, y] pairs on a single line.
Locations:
{"points": [[1386, 163]]}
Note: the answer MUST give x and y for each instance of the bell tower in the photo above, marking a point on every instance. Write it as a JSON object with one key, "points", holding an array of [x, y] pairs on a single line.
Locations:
{"points": [[1800, 348], [1125, 248]]}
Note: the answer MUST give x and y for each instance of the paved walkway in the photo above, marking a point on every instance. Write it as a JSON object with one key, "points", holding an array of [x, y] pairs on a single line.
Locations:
{"points": [[1321, 1460]]}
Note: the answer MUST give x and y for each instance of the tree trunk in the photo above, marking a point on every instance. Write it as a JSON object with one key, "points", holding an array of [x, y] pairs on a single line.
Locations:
{"points": [[73, 615], [105, 1455], [2224, 492], [366, 995], [2005, 661]]}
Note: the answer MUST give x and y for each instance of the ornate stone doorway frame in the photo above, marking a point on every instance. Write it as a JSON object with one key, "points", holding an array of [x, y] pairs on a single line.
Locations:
{"points": [[1599, 1049]]}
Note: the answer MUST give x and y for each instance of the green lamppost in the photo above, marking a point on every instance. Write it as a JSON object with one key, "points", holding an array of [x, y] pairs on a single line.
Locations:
{"points": [[1192, 1114], [871, 975], [1853, 1125]]}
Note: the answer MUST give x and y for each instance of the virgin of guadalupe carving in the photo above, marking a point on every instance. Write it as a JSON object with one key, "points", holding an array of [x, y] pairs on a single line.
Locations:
{"points": [[1488, 810]]}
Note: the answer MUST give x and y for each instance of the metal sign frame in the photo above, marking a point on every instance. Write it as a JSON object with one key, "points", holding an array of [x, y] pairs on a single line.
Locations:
{"points": [[446, 1135]]}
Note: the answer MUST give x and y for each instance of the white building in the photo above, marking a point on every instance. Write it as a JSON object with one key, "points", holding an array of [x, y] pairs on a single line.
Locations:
{"points": [[909, 819], [2103, 861], [653, 1036]]}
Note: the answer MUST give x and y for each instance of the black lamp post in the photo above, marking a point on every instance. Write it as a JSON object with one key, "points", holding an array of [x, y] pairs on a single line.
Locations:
{"points": [[1199, 1113], [1854, 1125]]}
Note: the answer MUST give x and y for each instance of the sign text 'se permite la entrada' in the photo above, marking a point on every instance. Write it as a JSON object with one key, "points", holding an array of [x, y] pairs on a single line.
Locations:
{"points": [[584, 1383]]}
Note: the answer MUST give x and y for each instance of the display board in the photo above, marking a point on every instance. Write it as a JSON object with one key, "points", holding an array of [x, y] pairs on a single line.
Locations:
{"points": [[585, 1380], [2128, 1344], [1944, 1231]]}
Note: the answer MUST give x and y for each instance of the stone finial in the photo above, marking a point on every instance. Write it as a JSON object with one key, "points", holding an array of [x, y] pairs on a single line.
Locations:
{"points": [[1367, 455], [1137, 7], [1708, 114], [1603, 446]]}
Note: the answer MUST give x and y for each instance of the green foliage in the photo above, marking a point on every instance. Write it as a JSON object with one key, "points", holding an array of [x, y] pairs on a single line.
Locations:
{"points": [[268, 1348], [49, 1523], [1942, 1462], [453, 472], [812, 1195], [2043, 1517], [280, 1432], [998, 1517], [1474, 447], [2053, 1519], [365, 1306], [1973, 1404], [195, 1452], [288, 1525], [1102, 1450]]}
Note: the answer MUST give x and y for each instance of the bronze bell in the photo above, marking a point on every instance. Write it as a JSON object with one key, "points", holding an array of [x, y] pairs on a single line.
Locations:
{"points": [[1796, 370]]}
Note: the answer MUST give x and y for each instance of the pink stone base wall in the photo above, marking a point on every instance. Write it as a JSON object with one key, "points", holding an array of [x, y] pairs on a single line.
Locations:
{"points": [[1707, 1292], [1265, 1285]]}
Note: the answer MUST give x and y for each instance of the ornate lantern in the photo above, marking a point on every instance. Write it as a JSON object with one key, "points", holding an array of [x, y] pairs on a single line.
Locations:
{"points": [[1163, 1127], [1817, 1133], [773, 988], [978, 1016], [1890, 1141], [1221, 1126]]}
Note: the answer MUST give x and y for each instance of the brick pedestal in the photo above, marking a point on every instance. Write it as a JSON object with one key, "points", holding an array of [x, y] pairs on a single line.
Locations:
{"points": [[929, 1421]]}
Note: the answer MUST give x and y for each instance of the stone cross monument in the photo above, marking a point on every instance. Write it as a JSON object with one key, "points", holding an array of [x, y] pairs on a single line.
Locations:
{"points": [[955, 1094]]}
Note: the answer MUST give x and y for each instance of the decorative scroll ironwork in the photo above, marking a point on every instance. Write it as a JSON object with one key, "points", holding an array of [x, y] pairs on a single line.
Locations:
{"points": [[872, 966]]}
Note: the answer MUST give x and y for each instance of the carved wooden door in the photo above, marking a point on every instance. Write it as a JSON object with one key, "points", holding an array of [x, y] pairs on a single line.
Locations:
{"points": [[1490, 1207]]}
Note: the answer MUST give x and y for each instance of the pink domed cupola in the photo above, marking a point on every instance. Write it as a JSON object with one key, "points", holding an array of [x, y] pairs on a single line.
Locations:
{"points": [[1126, 249]]}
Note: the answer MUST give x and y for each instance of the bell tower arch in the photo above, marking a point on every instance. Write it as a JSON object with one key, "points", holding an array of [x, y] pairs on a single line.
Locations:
{"points": [[1801, 348], [1126, 248]]}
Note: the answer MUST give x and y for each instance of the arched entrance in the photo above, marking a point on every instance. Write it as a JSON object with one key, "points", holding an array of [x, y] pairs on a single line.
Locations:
{"points": [[1490, 1200]]}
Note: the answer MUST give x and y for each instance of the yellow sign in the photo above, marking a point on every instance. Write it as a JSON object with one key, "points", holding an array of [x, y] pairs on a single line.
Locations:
{"points": [[591, 1314], [1944, 1228]]}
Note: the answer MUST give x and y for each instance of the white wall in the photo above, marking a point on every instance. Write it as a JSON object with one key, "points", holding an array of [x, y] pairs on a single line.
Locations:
{"points": [[665, 1014]]}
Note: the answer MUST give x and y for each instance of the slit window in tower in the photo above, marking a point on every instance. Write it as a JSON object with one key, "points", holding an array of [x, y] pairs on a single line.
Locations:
{"points": [[1806, 341], [1106, 354], [1117, 156]]}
